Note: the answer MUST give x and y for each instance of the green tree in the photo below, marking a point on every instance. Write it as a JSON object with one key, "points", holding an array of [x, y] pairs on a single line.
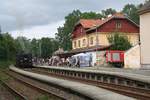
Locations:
{"points": [[108, 11], [7, 47], [119, 42], [34, 47], [91, 15], [3, 52], [64, 33], [48, 46], [146, 1], [132, 12]]}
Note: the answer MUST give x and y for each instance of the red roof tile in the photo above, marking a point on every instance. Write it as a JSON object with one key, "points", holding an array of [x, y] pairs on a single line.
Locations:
{"points": [[116, 15], [89, 23]]}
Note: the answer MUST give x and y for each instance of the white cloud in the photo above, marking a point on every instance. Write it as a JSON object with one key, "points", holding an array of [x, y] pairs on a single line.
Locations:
{"points": [[38, 32]]}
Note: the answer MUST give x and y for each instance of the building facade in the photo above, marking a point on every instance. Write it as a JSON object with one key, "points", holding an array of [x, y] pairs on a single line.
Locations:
{"points": [[95, 33], [145, 34]]}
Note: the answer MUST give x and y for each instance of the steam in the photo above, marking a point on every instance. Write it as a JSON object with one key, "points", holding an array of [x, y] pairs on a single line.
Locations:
{"points": [[19, 17]]}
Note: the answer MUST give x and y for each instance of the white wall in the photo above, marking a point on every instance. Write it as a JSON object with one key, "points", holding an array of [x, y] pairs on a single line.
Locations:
{"points": [[145, 38], [132, 58]]}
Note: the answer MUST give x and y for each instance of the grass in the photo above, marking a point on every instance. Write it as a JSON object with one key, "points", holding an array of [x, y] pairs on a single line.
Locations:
{"points": [[17, 98], [3, 76], [5, 64], [43, 97]]}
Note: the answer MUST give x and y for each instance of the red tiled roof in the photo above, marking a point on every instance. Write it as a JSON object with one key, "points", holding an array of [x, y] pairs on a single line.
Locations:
{"points": [[89, 23], [116, 15]]}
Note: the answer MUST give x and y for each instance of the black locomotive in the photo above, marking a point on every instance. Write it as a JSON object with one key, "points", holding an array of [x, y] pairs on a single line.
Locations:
{"points": [[24, 60]]}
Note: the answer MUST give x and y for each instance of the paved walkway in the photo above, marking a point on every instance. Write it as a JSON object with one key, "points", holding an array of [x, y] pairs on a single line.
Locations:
{"points": [[139, 75]]}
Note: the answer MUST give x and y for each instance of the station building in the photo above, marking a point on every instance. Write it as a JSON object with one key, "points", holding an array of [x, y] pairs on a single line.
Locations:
{"points": [[145, 35], [91, 35]]}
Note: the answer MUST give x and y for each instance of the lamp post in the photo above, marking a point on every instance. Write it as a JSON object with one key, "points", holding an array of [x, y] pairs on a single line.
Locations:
{"points": [[0, 30], [96, 42]]}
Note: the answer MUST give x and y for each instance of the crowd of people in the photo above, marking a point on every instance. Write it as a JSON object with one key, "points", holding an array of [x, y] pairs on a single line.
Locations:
{"points": [[74, 61], [53, 61]]}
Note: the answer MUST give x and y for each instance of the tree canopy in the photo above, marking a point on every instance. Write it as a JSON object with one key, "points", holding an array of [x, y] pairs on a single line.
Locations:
{"points": [[119, 42], [131, 11]]}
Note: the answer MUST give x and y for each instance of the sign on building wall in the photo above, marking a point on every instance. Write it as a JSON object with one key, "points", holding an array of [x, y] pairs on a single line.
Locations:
{"points": [[100, 57], [114, 56]]}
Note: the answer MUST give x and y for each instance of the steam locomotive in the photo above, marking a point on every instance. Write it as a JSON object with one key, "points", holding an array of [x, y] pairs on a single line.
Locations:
{"points": [[24, 60]]}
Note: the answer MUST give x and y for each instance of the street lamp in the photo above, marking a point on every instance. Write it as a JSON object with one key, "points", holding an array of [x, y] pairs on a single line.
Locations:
{"points": [[96, 42]]}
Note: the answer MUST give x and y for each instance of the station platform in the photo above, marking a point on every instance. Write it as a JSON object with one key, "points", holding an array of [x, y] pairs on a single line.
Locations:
{"points": [[134, 74], [93, 92]]}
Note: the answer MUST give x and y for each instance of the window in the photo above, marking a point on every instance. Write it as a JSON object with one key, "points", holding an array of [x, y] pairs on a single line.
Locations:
{"points": [[75, 44], [79, 43], [118, 24], [84, 42], [91, 40], [116, 56]]}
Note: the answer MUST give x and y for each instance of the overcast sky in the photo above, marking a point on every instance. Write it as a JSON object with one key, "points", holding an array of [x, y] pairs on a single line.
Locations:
{"points": [[41, 18]]}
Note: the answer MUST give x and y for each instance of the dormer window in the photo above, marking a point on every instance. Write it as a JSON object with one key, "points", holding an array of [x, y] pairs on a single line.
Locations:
{"points": [[118, 24]]}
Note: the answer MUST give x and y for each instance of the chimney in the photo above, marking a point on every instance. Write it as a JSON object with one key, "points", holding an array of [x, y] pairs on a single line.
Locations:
{"points": [[103, 18], [109, 15]]}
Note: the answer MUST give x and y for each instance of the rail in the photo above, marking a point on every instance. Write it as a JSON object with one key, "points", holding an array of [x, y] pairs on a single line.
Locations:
{"points": [[34, 86], [13, 91]]}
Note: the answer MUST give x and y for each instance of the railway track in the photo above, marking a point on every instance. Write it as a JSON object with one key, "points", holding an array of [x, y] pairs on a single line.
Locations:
{"points": [[139, 93], [17, 94], [31, 85]]}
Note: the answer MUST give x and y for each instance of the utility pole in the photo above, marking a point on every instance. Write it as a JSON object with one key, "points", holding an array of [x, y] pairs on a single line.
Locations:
{"points": [[40, 48], [96, 43], [0, 32]]}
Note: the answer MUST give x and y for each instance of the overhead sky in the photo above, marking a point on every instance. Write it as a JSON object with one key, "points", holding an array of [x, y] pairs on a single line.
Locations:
{"points": [[41, 18]]}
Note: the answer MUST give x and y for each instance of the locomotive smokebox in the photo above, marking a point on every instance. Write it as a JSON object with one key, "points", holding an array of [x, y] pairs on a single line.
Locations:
{"points": [[24, 60]]}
